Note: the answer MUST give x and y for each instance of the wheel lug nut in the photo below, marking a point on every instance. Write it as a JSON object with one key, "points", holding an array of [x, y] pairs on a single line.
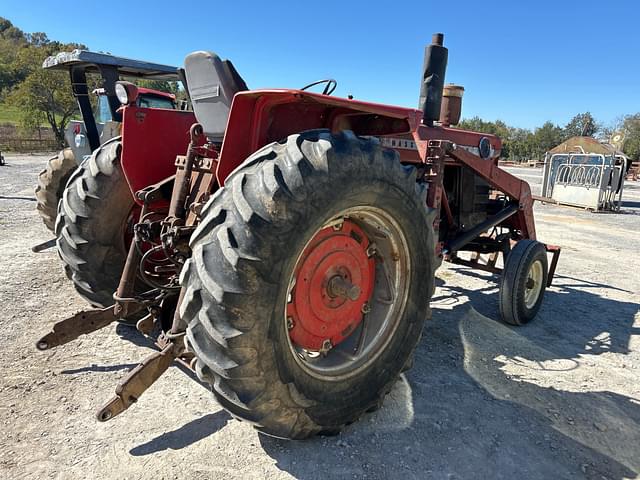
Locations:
{"points": [[289, 323], [371, 250], [366, 308], [326, 346]]}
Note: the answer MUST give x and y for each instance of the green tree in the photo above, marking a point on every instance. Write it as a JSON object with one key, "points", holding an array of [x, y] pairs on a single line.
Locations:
{"points": [[520, 144], [38, 39], [161, 85], [582, 125], [631, 130], [164, 86], [545, 138], [40, 95], [9, 31], [11, 41], [476, 124], [43, 95], [498, 128]]}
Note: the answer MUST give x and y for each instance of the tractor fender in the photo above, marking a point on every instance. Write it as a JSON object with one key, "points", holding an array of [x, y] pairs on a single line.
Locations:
{"points": [[260, 117], [151, 140]]}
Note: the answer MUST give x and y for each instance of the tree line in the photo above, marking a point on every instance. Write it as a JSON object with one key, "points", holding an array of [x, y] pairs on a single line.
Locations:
{"points": [[44, 97], [521, 144]]}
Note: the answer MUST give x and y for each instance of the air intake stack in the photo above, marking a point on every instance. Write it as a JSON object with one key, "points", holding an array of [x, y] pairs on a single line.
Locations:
{"points": [[451, 109], [434, 69]]}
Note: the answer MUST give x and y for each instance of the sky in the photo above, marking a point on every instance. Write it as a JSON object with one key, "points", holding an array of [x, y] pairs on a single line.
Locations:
{"points": [[524, 62]]}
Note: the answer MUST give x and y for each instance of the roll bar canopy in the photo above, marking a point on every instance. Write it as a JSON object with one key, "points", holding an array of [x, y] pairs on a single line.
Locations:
{"points": [[80, 62]]}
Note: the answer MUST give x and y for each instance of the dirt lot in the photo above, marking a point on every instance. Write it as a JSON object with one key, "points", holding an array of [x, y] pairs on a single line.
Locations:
{"points": [[559, 398]]}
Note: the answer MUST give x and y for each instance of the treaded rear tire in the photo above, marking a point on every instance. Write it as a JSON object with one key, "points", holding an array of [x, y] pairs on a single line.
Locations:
{"points": [[513, 309], [246, 246], [51, 183], [92, 216]]}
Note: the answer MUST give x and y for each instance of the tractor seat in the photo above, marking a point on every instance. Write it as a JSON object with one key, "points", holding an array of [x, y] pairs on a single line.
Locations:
{"points": [[212, 83]]}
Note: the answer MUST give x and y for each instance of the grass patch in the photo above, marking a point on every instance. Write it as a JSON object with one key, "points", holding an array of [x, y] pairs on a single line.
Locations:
{"points": [[10, 114]]}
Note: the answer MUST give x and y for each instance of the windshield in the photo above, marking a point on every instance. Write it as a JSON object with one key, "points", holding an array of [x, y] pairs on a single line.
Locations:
{"points": [[155, 101], [103, 114]]}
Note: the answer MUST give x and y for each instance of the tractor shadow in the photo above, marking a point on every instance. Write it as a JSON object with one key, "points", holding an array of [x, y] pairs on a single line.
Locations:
{"points": [[485, 400], [177, 439], [99, 368], [189, 433], [129, 333], [574, 318], [184, 436]]}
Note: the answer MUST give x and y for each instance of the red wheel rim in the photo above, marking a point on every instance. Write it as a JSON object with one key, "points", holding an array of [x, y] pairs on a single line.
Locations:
{"points": [[334, 279], [347, 293]]}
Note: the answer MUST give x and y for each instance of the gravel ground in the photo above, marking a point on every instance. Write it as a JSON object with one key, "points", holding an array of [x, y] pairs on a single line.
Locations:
{"points": [[559, 398]]}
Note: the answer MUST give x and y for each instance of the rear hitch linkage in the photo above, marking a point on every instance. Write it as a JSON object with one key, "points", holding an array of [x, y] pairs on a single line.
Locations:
{"points": [[139, 379], [171, 343]]}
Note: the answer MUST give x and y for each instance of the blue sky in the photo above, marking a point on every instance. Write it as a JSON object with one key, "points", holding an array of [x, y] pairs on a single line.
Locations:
{"points": [[522, 62]]}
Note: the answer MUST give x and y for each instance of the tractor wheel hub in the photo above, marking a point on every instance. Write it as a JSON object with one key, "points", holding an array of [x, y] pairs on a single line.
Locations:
{"points": [[334, 279]]}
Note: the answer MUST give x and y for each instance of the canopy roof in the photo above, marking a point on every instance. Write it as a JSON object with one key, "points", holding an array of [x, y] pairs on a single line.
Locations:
{"points": [[126, 66]]}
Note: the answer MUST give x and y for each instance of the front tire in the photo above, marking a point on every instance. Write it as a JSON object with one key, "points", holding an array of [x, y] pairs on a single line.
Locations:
{"points": [[93, 215], [523, 282], [316, 195], [51, 183]]}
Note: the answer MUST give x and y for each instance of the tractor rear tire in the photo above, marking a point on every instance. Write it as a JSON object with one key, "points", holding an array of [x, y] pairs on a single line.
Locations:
{"points": [[51, 183], [523, 282], [238, 284], [92, 217]]}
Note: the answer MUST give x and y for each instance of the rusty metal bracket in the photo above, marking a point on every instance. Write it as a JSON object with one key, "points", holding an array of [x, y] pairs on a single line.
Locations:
{"points": [[434, 153], [44, 246], [82, 323], [145, 325], [183, 175], [475, 264], [138, 381], [157, 191], [554, 250]]}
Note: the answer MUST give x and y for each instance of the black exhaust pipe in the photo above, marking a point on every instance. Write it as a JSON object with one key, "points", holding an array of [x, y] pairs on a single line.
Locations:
{"points": [[434, 68]]}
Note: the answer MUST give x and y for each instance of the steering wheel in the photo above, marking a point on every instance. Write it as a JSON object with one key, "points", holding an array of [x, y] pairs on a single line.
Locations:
{"points": [[328, 90]]}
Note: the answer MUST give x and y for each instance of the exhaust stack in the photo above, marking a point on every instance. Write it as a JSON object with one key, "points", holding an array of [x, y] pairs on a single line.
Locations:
{"points": [[434, 69]]}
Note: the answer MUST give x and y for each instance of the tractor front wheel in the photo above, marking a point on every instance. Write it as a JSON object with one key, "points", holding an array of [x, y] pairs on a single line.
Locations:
{"points": [[51, 183], [523, 282], [309, 282], [92, 223]]}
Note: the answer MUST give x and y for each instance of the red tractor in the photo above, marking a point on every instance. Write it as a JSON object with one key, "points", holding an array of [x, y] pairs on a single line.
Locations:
{"points": [[289, 256], [100, 118]]}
